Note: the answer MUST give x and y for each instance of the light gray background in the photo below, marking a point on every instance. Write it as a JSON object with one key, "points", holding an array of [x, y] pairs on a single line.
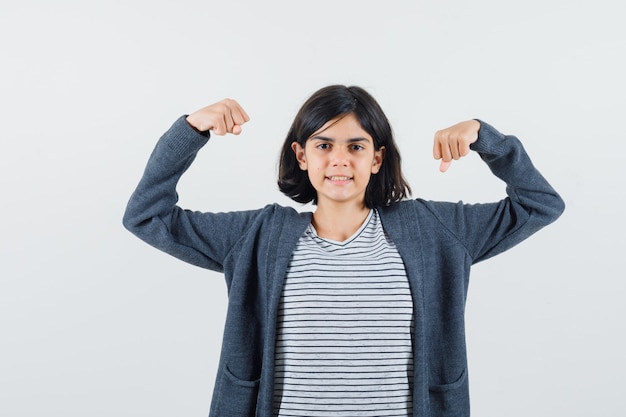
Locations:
{"points": [[95, 322]]}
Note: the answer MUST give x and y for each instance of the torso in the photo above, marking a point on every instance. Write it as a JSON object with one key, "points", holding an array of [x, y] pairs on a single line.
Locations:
{"points": [[345, 321]]}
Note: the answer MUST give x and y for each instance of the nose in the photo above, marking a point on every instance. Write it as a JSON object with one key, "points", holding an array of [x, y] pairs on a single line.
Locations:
{"points": [[339, 157]]}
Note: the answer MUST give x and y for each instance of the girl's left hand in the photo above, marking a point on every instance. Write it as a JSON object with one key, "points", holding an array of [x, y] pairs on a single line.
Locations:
{"points": [[454, 142]]}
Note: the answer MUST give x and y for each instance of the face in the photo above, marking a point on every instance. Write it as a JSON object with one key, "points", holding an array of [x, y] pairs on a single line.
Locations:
{"points": [[340, 159]]}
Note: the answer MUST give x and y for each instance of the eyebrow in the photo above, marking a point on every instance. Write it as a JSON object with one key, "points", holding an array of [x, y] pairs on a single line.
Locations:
{"points": [[351, 140]]}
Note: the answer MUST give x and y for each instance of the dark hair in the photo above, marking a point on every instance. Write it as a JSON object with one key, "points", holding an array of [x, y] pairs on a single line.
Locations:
{"points": [[386, 187]]}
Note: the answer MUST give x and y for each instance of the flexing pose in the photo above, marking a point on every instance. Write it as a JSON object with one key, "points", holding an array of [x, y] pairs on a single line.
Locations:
{"points": [[356, 309]]}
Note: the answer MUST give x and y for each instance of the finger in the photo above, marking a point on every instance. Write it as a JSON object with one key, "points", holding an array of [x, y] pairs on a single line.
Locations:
{"points": [[437, 150], [245, 115], [228, 120], [238, 118], [241, 115], [219, 126], [443, 167], [446, 154], [464, 149], [454, 150], [236, 112]]}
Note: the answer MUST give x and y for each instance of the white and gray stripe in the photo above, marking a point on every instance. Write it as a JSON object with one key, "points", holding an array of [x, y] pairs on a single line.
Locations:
{"points": [[344, 342]]}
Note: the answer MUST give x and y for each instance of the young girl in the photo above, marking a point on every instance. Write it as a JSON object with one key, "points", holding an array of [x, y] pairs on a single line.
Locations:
{"points": [[356, 309]]}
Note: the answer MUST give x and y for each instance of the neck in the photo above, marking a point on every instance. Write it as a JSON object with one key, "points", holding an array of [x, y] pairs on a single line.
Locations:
{"points": [[339, 222]]}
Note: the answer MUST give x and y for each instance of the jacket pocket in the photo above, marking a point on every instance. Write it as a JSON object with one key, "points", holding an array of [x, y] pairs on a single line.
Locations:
{"points": [[450, 400], [236, 397]]}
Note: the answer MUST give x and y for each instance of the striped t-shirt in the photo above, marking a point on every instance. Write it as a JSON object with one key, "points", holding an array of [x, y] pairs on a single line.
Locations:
{"points": [[345, 321]]}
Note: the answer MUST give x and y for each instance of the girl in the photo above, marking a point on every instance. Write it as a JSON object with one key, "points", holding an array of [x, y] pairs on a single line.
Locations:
{"points": [[356, 309]]}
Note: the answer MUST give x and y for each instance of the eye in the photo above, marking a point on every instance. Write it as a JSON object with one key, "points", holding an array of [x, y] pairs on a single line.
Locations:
{"points": [[323, 146], [357, 147]]}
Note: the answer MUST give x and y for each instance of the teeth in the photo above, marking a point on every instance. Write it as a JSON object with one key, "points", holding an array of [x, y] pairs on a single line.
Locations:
{"points": [[336, 178]]}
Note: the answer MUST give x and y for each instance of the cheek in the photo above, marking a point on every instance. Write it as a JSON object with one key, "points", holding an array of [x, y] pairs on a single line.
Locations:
{"points": [[316, 170]]}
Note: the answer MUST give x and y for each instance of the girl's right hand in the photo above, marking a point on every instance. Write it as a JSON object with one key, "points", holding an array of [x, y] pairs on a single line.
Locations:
{"points": [[223, 117]]}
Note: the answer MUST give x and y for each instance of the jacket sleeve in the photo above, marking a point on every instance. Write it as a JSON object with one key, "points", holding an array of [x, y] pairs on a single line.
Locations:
{"points": [[531, 203], [152, 214]]}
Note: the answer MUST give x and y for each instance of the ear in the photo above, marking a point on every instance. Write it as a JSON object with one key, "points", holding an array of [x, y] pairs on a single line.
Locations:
{"points": [[377, 162], [300, 155]]}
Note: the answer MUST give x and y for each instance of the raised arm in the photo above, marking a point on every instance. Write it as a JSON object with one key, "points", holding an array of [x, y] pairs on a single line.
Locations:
{"points": [[152, 214], [531, 202]]}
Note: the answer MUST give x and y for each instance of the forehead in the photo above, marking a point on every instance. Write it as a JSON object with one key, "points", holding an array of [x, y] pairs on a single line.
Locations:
{"points": [[342, 127]]}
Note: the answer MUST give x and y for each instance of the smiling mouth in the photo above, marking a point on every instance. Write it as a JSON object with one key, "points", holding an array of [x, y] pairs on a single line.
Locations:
{"points": [[339, 178]]}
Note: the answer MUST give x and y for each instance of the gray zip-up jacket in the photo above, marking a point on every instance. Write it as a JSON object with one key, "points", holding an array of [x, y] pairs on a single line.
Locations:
{"points": [[438, 242]]}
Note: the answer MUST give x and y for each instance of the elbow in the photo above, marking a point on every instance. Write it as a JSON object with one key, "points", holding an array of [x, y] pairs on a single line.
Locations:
{"points": [[554, 209], [546, 210], [132, 222], [559, 207], [128, 223]]}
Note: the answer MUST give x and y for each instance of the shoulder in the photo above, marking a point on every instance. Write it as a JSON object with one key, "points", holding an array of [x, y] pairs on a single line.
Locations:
{"points": [[277, 209], [289, 216], [427, 213], [270, 213], [414, 206]]}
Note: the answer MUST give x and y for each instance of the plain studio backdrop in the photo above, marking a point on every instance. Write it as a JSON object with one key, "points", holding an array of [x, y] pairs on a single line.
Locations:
{"points": [[95, 322]]}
